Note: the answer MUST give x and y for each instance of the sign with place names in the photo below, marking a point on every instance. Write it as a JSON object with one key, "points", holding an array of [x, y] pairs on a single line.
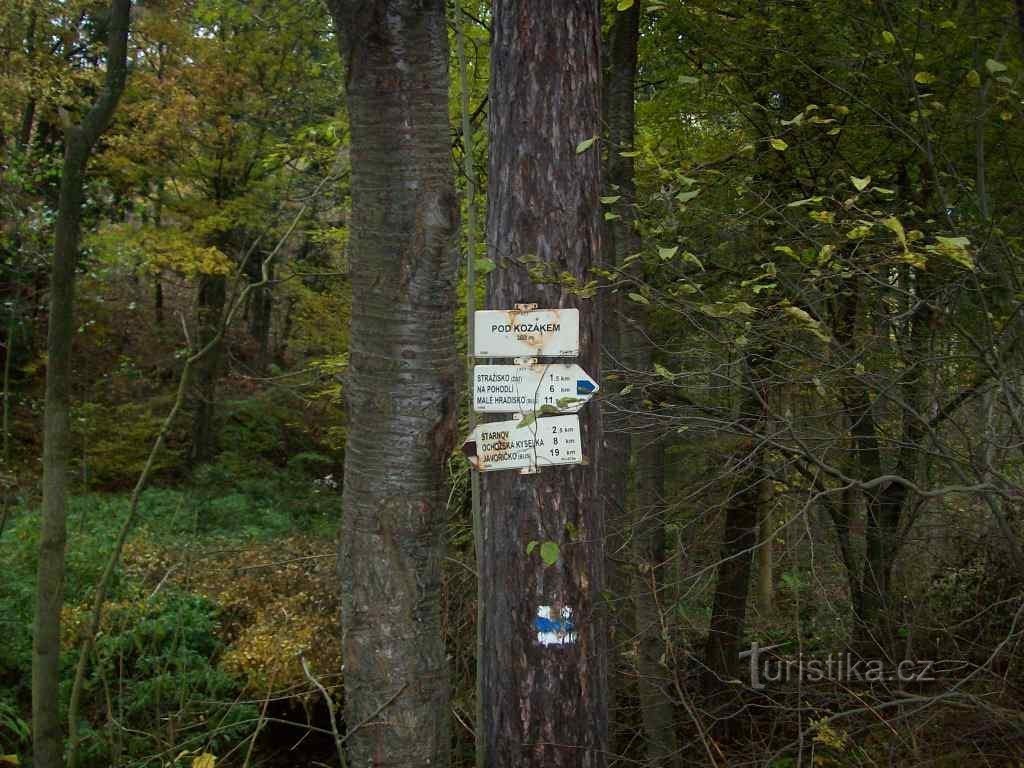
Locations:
{"points": [[528, 388], [545, 442], [529, 333]]}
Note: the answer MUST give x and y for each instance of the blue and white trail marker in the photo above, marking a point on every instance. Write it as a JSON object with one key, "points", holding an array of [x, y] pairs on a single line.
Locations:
{"points": [[554, 625], [551, 387]]}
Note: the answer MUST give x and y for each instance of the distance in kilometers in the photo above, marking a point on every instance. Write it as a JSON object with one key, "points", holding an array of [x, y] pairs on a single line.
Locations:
{"points": [[533, 333], [528, 388], [549, 441]]}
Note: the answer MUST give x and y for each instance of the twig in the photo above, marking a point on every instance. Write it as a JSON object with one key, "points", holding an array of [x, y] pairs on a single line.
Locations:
{"points": [[338, 741]]}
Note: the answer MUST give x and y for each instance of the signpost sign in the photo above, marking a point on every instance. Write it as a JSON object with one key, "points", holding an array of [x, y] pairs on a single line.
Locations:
{"points": [[545, 442], [526, 333], [528, 388]]}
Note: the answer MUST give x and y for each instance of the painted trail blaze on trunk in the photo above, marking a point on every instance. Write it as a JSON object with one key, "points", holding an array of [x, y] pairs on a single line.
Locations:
{"points": [[544, 684], [400, 385]]}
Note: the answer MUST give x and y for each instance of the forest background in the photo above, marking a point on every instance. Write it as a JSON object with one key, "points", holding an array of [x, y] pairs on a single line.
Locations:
{"points": [[811, 376]]}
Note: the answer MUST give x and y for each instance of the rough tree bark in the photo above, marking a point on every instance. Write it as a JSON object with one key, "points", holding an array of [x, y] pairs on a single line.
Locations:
{"points": [[739, 539], [401, 381], [545, 705], [660, 744], [619, 61], [79, 140]]}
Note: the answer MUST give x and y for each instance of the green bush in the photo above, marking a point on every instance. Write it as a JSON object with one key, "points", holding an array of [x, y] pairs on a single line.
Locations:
{"points": [[154, 686]]}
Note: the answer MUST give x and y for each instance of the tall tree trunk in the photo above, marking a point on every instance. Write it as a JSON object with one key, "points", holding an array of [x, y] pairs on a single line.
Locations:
{"points": [[210, 313], [545, 704], [729, 612], [765, 550], [158, 283], [621, 239], [79, 140], [661, 747], [401, 381], [28, 112], [260, 312]]}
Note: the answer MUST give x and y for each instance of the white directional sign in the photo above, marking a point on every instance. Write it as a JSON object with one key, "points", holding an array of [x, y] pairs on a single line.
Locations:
{"points": [[546, 442], [531, 333], [527, 388]]}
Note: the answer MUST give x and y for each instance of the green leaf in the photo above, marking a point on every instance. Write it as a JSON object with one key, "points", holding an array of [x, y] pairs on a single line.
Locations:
{"points": [[667, 253], [779, 144], [609, 216], [859, 232], [805, 201], [896, 226], [954, 249], [948, 24], [974, 79], [624, 5], [531, 546], [662, 371], [823, 217], [786, 250], [586, 144], [860, 184], [691, 258], [685, 197], [630, 153], [814, 326], [549, 552], [994, 66], [639, 299], [925, 78], [527, 420], [888, 37], [688, 80], [726, 309], [611, 199], [483, 265]]}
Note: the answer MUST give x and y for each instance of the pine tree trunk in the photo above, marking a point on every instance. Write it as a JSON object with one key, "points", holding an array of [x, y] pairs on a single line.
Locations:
{"points": [[545, 705], [401, 381], [79, 140]]}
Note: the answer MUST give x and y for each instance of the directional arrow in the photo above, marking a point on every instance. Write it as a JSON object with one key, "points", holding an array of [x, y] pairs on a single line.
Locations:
{"points": [[546, 442], [526, 333], [528, 388]]}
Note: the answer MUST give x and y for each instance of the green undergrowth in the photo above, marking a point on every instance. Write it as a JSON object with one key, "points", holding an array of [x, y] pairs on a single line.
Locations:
{"points": [[155, 687]]}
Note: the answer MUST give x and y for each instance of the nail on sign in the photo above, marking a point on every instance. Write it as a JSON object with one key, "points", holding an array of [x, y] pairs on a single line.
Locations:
{"points": [[530, 333]]}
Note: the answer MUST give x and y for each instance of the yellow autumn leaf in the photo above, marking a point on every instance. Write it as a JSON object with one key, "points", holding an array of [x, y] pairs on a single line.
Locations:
{"points": [[779, 144], [205, 760], [924, 78]]}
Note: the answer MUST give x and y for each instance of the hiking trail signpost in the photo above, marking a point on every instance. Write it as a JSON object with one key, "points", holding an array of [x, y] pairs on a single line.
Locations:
{"points": [[531, 387], [543, 396]]}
